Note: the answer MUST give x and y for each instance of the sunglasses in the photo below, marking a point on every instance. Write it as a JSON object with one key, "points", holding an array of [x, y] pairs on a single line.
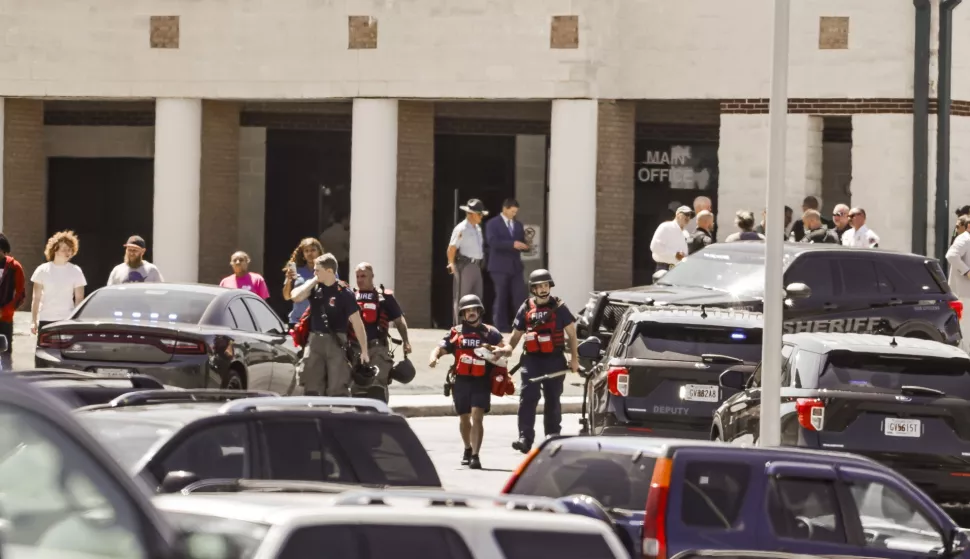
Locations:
{"points": [[838, 214]]}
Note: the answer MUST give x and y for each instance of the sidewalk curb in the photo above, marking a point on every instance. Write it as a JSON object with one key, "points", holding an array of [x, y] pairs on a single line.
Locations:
{"points": [[445, 410]]}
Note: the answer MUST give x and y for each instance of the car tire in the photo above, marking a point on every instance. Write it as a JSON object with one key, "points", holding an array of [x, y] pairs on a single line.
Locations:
{"points": [[232, 380]]}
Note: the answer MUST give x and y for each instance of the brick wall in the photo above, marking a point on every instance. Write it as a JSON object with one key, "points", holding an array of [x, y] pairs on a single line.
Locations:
{"points": [[614, 194], [25, 183], [415, 219], [839, 106], [252, 195], [219, 196]]}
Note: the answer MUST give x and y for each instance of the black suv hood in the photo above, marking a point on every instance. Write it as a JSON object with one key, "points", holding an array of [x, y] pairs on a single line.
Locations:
{"points": [[675, 295]]}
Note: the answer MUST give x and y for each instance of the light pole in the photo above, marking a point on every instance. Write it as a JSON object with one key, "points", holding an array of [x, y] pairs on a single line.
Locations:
{"points": [[770, 425]]}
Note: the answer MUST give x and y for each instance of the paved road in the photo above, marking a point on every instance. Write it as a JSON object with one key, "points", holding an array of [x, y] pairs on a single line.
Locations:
{"points": [[440, 437]]}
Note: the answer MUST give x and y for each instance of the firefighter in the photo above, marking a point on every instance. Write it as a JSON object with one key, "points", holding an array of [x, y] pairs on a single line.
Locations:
{"points": [[545, 322], [472, 391], [324, 368], [378, 310]]}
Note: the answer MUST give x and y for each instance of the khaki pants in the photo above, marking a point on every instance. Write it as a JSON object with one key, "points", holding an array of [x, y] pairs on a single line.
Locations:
{"points": [[381, 357], [324, 368]]}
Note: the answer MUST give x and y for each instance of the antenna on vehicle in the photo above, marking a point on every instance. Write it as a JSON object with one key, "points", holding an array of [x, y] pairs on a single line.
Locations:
{"points": [[703, 312], [893, 343]]}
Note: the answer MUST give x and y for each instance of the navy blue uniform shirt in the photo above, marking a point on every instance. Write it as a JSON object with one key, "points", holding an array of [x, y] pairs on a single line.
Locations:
{"points": [[339, 304]]}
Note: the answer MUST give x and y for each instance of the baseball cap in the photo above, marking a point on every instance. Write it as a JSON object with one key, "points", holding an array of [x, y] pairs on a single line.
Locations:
{"points": [[685, 210], [136, 241]]}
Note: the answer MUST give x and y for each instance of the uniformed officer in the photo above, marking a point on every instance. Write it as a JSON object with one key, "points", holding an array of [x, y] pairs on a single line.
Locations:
{"points": [[702, 236], [544, 321], [378, 310], [472, 392], [814, 231], [466, 251], [324, 368]]}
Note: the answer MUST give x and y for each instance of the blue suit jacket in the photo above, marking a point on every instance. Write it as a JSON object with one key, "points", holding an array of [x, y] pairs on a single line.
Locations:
{"points": [[503, 258]]}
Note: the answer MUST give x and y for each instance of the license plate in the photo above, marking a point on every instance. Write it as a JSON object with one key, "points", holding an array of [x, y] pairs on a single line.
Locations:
{"points": [[699, 393], [903, 427], [113, 372]]}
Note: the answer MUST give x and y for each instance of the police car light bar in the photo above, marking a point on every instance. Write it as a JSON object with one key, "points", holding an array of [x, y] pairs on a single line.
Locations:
{"points": [[738, 336]]}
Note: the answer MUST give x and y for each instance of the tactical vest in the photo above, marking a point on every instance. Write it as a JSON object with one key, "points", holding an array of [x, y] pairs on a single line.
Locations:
{"points": [[467, 364], [371, 304], [541, 334]]}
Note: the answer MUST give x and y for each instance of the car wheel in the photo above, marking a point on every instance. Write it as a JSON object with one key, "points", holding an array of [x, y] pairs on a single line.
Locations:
{"points": [[232, 380], [716, 435]]}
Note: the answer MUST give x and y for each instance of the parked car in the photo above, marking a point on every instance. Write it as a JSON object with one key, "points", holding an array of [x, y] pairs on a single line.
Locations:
{"points": [[62, 496], [396, 523], [190, 336], [79, 388], [902, 402], [659, 374], [829, 288], [677, 495], [174, 438]]}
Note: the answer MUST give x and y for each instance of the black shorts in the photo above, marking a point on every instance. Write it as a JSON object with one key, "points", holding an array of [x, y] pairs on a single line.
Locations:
{"points": [[472, 392]]}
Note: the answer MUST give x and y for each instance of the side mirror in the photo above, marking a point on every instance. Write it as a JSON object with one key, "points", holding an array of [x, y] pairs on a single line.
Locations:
{"points": [[202, 545], [798, 291], [958, 542], [733, 378], [591, 348], [659, 274], [177, 481]]}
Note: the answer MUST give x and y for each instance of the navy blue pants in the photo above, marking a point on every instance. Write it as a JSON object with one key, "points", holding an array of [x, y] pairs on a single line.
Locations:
{"points": [[471, 392], [551, 390], [509, 294]]}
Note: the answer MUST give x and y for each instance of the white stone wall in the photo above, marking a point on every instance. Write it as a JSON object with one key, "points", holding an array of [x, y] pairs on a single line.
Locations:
{"points": [[455, 49], [743, 161], [961, 53]]}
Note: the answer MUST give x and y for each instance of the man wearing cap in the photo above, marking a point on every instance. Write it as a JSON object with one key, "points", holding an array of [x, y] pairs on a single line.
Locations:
{"points": [[135, 269], [669, 244], [465, 254]]}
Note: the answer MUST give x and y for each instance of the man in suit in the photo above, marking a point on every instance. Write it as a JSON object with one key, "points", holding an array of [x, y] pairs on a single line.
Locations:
{"points": [[958, 257], [506, 241]]}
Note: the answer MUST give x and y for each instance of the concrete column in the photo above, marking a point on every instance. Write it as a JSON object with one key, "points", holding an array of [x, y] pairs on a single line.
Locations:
{"points": [[178, 162], [882, 175], [743, 160], [530, 190], [3, 120], [252, 194], [373, 185], [572, 199]]}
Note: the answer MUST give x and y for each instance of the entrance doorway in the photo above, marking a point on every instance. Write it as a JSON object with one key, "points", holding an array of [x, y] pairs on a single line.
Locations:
{"points": [[307, 191], [104, 201], [466, 167]]}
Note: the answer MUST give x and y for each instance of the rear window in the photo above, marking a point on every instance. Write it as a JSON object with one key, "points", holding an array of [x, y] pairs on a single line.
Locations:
{"points": [[383, 450], [530, 544], [612, 478], [911, 276], [373, 541], [148, 305], [713, 493], [687, 343], [889, 373]]}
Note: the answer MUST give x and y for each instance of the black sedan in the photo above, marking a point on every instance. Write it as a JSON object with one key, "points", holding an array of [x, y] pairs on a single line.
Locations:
{"points": [[188, 336]]}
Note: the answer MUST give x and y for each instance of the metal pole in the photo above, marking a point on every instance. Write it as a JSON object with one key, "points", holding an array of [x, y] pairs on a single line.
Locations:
{"points": [[944, 102], [921, 119], [770, 426]]}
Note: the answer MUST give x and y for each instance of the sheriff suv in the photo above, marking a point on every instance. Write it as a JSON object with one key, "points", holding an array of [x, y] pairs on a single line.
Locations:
{"points": [[851, 290], [902, 402], [659, 374]]}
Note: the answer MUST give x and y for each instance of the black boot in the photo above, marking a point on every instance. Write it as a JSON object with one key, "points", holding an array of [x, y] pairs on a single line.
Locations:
{"points": [[475, 463], [522, 445], [466, 457]]}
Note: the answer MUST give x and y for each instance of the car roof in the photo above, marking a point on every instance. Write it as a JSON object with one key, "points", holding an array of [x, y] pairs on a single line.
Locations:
{"points": [[819, 342], [180, 287], [794, 249], [696, 315], [176, 414]]}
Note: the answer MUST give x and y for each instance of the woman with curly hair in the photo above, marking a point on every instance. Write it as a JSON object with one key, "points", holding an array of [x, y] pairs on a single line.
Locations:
{"points": [[298, 270], [58, 284]]}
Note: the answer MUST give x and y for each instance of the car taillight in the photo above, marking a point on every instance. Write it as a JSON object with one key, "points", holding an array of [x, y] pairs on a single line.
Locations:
{"points": [[618, 381], [655, 517], [54, 340], [518, 471], [183, 347], [811, 413], [957, 307]]}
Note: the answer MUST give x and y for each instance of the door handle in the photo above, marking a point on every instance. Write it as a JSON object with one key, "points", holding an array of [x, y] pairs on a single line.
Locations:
{"points": [[829, 307], [894, 301]]}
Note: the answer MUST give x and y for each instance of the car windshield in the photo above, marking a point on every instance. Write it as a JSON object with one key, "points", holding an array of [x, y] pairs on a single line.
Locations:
{"points": [[737, 273], [247, 535], [147, 305], [127, 440], [872, 372]]}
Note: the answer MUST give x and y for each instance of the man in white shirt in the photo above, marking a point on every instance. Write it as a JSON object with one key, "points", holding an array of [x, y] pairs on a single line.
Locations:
{"points": [[958, 256], [859, 235], [669, 244]]}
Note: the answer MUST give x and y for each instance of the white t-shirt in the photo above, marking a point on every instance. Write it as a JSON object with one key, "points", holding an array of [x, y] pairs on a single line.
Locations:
{"points": [[59, 281]]}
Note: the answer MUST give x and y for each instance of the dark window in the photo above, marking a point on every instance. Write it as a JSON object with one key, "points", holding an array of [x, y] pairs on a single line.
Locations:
{"points": [[215, 451], [612, 478], [298, 451], [785, 356], [530, 544], [148, 305], [678, 342], [713, 493], [803, 370], [241, 316], [858, 277], [383, 450], [912, 276], [805, 509], [876, 372], [266, 320], [372, 541], [816, 273]]}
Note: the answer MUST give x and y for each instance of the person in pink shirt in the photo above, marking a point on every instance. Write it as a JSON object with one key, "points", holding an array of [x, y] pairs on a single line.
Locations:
{"points": [[242, 278]]}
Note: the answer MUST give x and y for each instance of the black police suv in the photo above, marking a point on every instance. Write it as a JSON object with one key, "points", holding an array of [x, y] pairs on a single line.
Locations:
{"points": [[903, 402], [849, 290], [659, 373]]}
